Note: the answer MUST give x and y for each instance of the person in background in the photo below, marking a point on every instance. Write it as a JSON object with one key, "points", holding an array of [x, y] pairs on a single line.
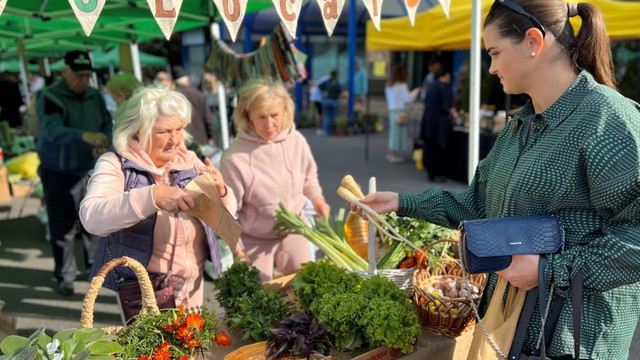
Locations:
{"points": [[398, 96], [268, 163], [75, 129], [360, 84], [10, 101], [201, 128], [135, 197], [163, 78], [122, 86], [210, 91], [572, 150], [331, 92], [316, 98], [435, 64], [437, 124]]}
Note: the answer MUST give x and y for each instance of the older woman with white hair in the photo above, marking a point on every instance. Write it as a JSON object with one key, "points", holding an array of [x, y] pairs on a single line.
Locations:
{"points": [[135, 197], [270, 162]]}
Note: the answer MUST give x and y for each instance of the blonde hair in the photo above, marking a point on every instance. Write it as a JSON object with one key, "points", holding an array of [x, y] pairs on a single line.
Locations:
{"points": [[139, 114], [259, 94]]}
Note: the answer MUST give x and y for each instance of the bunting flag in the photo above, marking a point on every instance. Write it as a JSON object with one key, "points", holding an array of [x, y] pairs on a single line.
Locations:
{"points": [[3, 3], [232, 12], [166, 13], [289, 11], [87, 12], [375, 11], [331, 10], [446, 5], [412, 8]]}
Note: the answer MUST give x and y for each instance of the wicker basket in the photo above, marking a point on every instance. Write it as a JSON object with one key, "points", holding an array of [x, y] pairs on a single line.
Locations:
{"points": [[439, 314], [401, 277], [149, 305]]}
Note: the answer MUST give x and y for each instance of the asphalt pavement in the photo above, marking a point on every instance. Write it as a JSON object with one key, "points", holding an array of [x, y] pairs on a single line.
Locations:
{"points": [[26, 263]]}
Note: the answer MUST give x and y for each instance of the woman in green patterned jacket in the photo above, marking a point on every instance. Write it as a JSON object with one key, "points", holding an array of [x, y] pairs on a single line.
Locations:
{"points": [[572, 150]]}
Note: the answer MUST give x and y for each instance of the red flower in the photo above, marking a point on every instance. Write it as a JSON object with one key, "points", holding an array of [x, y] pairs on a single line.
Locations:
{"points": [[194, 321], [162, 352], [184, 357], [192, 344], [144, 357], [222, 339], [184, 333]]}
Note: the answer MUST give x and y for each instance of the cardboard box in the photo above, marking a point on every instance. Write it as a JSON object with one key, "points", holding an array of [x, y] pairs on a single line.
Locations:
{"points": [[5, 195], [22, 188]]}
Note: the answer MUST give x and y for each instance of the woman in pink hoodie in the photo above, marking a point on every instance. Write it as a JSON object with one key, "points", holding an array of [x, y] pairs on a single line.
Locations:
{"points": [[270, 162], [135, 197]]}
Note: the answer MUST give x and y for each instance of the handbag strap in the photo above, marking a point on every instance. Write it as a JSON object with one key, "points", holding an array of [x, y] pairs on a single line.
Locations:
{"points": [[576, 302]]}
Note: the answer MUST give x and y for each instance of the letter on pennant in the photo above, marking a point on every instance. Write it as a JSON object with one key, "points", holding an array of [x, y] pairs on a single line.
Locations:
{"points": [[289, 12], [166, 14], [375, 8], [232, 12], [87, 12], [412, 7], [331, 10]]}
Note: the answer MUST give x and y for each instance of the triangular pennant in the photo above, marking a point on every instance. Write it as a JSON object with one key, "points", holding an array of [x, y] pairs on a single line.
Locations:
{"points": [[3, 3], [330, 10], [166, 13], [446, 5], [289, 11], [87, 12], [232, 12], [375, 9], [412, 7]]}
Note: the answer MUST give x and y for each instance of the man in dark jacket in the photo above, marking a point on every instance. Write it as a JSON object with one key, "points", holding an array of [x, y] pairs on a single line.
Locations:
{"points": [[201, 127], [75, 128]]}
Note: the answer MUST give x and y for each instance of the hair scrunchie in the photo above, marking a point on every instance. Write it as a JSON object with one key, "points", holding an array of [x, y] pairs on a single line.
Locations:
{"points": [[572, 9]]}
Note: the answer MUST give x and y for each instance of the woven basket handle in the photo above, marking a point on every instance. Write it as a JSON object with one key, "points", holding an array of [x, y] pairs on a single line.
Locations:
{"points": [[149, 304], [426, 249]]}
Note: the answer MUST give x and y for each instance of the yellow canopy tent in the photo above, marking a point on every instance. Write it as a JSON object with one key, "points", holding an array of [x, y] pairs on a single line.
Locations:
{"points": [[433, 31]]}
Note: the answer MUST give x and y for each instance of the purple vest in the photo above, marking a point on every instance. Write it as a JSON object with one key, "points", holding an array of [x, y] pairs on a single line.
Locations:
{"points": [[137, 241]]}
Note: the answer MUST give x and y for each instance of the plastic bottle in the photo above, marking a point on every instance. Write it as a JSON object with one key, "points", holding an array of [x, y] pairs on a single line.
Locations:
{"points": [[356, 230]]}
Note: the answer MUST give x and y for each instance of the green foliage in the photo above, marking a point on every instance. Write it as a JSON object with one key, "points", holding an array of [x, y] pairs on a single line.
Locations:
{"points": [[390, 323], [341, 314], [257, 312], [70, 344], [239, 280], [316, 279], [381, 287]]}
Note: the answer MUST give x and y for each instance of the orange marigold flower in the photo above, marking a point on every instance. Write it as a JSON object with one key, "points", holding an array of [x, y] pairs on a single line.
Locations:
{"points": [[181, 309], [184, 357], [223, 339], [183, 333], [194, 321], [192, 344], [161, 352], [144, 357], [169, 327]]}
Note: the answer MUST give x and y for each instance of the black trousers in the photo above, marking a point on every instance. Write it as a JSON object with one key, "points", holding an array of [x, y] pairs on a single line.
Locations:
{"points": [[62, 195], [433, 158]]}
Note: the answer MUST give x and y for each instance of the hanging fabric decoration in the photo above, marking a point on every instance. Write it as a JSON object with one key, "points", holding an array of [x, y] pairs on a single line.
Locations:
{"points": [[276, 58], [232, 12], [446, 5], [87, 12], [375, 11], [412, 7], [3, 3], [289, 11], [166, 13], [331, 10]]}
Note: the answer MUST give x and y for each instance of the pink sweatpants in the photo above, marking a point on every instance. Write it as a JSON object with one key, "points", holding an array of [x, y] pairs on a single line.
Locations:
{"points": [[288, 254]]}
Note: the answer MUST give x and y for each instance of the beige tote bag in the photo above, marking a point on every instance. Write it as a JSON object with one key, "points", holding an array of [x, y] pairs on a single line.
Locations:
{"points": [[500, 322]]}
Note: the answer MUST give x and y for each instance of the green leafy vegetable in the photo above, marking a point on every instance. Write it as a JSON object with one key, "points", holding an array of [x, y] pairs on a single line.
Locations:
{"points": [[239, 280]]}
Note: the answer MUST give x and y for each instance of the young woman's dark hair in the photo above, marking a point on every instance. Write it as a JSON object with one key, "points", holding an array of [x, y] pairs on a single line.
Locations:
{"points": [[398, 75], [589, 50]]}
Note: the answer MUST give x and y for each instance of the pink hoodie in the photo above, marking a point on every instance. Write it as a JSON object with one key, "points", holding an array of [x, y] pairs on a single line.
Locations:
{"points": [[263, 173], [107, 209]]}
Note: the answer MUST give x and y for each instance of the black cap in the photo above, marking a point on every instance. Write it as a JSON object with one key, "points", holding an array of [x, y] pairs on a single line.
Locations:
{"points": [[178, 72], [79, 61]]}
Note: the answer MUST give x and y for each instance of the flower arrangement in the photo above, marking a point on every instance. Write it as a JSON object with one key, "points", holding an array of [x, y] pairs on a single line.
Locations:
{"points": [[171, 334]]}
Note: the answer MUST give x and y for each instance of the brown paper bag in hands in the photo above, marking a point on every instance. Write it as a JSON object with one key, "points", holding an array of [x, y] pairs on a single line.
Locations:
{"points": [[210, 208], [500, 322]]}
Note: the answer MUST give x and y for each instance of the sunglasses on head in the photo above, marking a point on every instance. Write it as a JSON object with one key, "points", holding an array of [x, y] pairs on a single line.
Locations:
{"points": [[520, 10]]}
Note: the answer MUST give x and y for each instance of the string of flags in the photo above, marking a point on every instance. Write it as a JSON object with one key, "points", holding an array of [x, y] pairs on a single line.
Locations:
{"points": [[166, 12], [276, 58]]}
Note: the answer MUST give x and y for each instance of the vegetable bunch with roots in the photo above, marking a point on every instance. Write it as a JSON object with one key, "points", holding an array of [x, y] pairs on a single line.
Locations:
{"points": [[350, 191]]}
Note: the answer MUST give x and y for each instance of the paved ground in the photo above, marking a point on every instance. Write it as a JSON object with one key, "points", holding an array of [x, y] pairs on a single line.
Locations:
{"points": [[26, 283]]}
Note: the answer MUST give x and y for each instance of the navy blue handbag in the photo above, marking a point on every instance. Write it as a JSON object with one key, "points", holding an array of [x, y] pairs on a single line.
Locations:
{"points": [[487, 245]]}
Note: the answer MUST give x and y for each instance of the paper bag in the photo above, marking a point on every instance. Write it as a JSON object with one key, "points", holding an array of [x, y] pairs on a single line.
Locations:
{"points": [[210, 208], [500, 321]]}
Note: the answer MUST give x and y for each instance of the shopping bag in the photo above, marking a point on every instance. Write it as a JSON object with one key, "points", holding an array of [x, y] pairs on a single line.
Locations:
{"points": [[500, 321]]}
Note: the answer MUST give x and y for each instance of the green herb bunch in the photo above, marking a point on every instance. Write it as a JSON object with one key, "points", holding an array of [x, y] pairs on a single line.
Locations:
{"points": [[239, 280], [256, 314], [70, 344], [315, 279]]}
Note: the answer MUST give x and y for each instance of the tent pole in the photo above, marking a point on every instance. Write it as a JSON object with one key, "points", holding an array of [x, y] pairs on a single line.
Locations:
{"points": [[135, 60], [474, 89], [352, 33], [222, 96]]}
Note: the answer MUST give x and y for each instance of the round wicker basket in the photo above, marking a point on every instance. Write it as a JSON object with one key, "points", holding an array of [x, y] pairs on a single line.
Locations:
{"points": [[440, 314], [401, 277]]}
